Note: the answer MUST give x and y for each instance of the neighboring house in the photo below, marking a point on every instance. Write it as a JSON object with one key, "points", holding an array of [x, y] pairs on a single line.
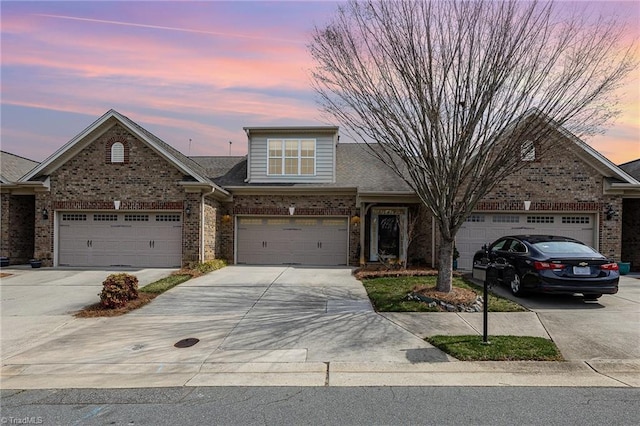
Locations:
{"points": [[631, 220], [116, 195], [17, 212]]}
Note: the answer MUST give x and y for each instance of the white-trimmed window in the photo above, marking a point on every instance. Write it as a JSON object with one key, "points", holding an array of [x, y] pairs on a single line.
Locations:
{"points": [[292, 157], [527, 151], [117, 152]]}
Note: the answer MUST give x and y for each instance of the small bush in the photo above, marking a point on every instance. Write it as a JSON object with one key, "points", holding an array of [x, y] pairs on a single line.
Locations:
{"points": [[196, 269], [117, 290]]}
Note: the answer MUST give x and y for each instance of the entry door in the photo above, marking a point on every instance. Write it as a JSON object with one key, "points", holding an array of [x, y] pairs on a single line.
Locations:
{"points": [[388, 235]]}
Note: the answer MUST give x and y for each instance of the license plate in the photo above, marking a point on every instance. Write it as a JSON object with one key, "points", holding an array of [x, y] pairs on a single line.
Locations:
{"points": [[581, 270]]}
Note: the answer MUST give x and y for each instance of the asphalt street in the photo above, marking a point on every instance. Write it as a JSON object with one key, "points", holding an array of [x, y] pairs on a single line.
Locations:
{"points": [[324, 406]]}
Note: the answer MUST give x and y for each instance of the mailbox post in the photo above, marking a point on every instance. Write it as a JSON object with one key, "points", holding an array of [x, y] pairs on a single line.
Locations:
{"points": [[494, 271], [490, 280]]}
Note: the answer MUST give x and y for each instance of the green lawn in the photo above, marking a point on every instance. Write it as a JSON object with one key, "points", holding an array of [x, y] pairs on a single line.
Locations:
{"points": [[164, 284], [501, 348], [389, 294]]}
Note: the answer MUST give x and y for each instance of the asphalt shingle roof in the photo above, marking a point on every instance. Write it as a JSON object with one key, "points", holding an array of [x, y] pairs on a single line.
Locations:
{"points": [[632, 168], [356, 167], [13, 167]]}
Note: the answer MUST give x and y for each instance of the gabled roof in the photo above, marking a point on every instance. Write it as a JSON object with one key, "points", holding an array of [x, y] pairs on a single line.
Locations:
{"points": [[600, 162], [88, 135], [13, 167]]}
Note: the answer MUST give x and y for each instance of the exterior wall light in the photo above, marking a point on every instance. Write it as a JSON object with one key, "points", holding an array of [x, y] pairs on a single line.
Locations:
{"points": [[355, 220], [45, 214], [187, 210], [292, 210], [226, 218], [610, 212]]}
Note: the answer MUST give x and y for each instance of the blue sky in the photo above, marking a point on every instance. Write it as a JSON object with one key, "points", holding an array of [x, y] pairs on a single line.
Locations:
{"points": [[183, 70]]}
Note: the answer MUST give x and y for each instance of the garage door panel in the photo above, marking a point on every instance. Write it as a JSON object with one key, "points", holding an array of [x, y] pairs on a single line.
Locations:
{"points": [[484, 228], [120, 239], [299, 240]]}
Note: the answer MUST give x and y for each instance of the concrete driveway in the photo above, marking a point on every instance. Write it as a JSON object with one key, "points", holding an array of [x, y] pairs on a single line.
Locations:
{"points": [[606, 329], [240, 314], [265, 326], [38, 303]]}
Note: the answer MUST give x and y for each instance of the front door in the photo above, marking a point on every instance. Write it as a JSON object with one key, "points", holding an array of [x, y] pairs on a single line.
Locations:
{"points": [[388, 234], [388, 237]]}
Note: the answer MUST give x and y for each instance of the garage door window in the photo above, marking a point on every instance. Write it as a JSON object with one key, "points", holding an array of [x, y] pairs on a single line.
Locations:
{"points": [[475, 218], [136, 218], [540, 219], [105, 217], [167, 218], [74, 217], [506, 219], [575, 219]]}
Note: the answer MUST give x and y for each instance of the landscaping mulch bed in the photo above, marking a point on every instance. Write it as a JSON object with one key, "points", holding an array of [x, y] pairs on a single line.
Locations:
{"points": [[96, 310], [377, 271], [457, 296]]}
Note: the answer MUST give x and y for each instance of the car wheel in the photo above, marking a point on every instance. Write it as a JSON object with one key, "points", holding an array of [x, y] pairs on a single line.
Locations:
{"points": [[591, 297], [516, 285]]}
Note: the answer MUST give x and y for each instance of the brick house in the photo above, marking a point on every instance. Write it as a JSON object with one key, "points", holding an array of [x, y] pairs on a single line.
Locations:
{"points": [[18, 209], [631, 220], [116, 195]]}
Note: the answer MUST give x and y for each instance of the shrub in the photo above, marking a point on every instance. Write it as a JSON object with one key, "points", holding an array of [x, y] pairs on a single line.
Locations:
{"points": [[117, 290], [196, 269]]}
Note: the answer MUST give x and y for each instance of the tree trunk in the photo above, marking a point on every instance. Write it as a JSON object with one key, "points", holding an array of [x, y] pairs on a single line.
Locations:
{"points": [[445, 265]]}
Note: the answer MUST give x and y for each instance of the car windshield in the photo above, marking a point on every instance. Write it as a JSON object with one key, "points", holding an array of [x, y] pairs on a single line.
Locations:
{"points": [[564, 247]]}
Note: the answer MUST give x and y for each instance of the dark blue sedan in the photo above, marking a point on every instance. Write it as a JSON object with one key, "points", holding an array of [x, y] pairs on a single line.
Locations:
{"points": [[552, 264]]}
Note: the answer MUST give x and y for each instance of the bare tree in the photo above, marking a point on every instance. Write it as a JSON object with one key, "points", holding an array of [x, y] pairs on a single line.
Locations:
{"points": [[451, 94]]}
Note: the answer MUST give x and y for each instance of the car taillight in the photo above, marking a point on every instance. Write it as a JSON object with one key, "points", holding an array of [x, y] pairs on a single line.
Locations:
{"points": [[609, 267], [548, 266]]}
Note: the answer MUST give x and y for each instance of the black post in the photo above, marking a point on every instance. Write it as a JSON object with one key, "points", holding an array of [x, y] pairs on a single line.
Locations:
{"points": [[490, 279], [485, 314]]}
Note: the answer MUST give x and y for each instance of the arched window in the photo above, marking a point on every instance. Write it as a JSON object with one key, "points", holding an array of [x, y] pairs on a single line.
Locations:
{"points": [[117, 153], [527, 151]]}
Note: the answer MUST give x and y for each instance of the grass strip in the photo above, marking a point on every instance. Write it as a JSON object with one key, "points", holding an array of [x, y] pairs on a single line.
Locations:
{"points": [[501, 348], [164, 284], [389, 294]]}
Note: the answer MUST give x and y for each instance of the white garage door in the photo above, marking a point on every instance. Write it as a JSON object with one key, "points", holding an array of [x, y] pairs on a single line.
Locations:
{"points": [[120, 239], [484, 228], [294, 241]]}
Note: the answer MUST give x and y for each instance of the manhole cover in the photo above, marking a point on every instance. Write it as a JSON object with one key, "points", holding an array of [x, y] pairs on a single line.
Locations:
{"points": [[185, 343]]}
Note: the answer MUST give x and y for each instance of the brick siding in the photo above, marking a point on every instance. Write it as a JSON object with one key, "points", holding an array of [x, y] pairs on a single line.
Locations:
{"points": [[631, 233], [560, 181], [18, 212], [305, 205], [89, 181]]}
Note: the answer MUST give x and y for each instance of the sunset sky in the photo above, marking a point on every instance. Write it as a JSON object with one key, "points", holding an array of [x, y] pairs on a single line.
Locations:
{"points": [[186, 70]]}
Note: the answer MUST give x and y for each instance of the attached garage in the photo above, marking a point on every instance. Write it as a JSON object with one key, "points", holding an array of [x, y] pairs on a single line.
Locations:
{"points": [[133, 239], [484, 228], [292, 240]]}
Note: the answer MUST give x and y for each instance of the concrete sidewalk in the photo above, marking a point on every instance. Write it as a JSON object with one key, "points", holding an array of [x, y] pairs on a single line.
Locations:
{"points": [[282, 326]]}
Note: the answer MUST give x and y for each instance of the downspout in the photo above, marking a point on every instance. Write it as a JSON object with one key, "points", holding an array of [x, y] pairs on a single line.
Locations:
{"points": [[363, 210]]}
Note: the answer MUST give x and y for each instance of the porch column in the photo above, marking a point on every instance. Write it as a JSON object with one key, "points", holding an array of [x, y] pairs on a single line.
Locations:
{"points": [[363, 214]]}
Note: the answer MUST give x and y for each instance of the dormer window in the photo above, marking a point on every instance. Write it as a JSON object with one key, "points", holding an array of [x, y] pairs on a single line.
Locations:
{"points": [[117, 153], [292, 157], [527, 151]]}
